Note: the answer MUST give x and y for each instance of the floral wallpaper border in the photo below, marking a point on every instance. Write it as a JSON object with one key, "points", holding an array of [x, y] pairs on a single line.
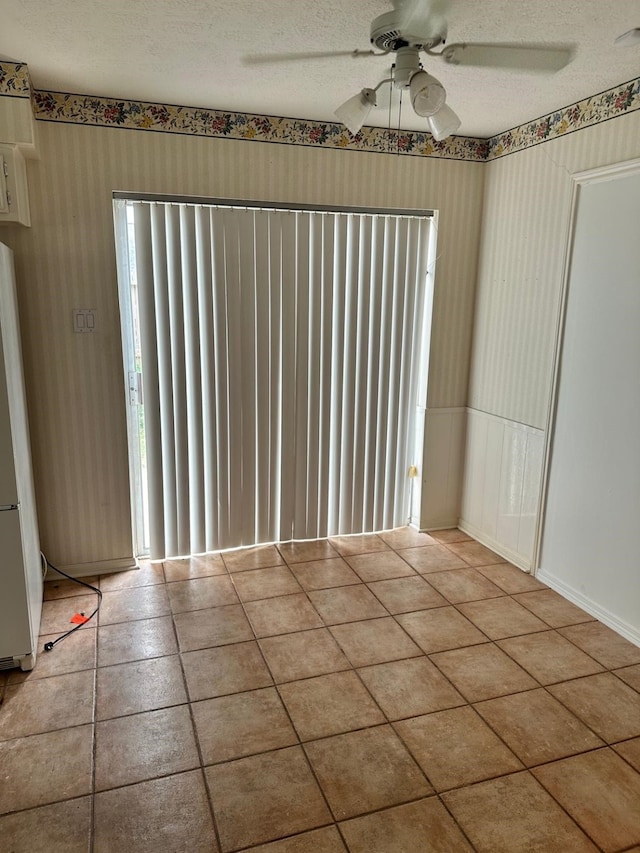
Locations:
{"points": [[139, 115], [108, 112], [14, 79], [606, 105]]}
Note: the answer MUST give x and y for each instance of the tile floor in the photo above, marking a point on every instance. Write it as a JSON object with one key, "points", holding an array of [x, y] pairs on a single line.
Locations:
{"points": [[397, 693]]}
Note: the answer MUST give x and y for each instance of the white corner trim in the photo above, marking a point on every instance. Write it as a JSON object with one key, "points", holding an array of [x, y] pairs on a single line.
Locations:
{"points": [[512, 556], [629, 632], [102, 567]]}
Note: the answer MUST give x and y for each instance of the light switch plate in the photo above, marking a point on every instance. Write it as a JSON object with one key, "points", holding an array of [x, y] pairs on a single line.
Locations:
{"points": [[84, 320]]}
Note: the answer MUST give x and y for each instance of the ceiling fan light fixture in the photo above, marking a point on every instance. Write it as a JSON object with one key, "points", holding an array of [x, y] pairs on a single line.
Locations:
{"points": [[443, 123], [427, 94], [354, 112]]}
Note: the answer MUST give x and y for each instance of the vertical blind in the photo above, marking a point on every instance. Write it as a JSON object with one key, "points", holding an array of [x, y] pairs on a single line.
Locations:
{"points": [[280, 368]]}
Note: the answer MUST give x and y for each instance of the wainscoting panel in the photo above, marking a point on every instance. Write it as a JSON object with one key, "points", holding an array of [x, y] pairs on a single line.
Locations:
{"points": [[501, 485], [442, 468]]}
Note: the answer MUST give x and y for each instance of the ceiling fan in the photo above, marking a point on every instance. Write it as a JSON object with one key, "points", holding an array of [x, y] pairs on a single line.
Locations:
{"points": [[418, 26]]}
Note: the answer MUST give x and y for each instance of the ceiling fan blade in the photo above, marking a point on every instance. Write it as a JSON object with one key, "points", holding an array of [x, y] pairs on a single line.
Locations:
{"points": [[421, 18], [514, 56], [264, 58]]}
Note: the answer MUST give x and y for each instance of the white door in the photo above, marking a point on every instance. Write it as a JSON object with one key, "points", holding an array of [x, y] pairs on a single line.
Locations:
{"points": [[589, 543]]}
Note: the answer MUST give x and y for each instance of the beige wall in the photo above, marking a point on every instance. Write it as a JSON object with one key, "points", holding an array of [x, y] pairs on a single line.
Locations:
{"points": [[525, 229], [66, 260]]}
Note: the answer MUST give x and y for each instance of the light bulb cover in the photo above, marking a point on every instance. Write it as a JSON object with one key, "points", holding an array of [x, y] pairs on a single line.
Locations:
{"points": [[353, 113], [427, 94], [443, 123]]}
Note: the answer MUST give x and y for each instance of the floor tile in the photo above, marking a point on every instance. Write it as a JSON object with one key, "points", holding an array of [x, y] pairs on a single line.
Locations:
{"points": [[56, 615], [432, 558], [264, 797], [601, 793], [536, 727], [464, 585], [449, 535], [217, 626], [630, 751], [374, 641], [552, 608], [303, 655], [302, 552], [146, 575], [603, 644], [260, 557], [604, 703], [406, 537], [282, 615], [160, 816], [323, 574], [59, 587], [440, 629], [512, 814], [326, 840], [265, 583], [404, 595], [379, 566], [412, 828], [549, 657], [30, 781], [224, 669], [346, 604], [126, 605], [74, 653], [144, 638], [243, 724], [201, 593], [58, 828], [456, 748], [144, 685], [407, 688], [329, 705], [47, 704], [474, 553], [188, 568], [483, 672], [366, 770], [144, 746], [358, 544], [630, 675], [502, 617], [510, 578]]}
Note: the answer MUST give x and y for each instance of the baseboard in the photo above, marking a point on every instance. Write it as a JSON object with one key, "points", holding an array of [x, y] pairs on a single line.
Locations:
{"points": [[629, 632], [518, 560], [445, 524], [101, 567]]}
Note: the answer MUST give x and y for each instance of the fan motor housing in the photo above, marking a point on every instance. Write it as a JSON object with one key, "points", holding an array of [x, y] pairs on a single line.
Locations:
{"points": [[387, 34]]}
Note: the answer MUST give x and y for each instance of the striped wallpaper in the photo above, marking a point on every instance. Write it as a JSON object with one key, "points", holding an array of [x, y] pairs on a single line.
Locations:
{"points": [[521, 266], [503, 223]]}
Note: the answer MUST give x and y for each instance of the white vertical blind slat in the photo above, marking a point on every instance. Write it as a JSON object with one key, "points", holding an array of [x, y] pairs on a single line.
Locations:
{"points": [[279, 355], [178, 370], [146, 311], [165, 377]]}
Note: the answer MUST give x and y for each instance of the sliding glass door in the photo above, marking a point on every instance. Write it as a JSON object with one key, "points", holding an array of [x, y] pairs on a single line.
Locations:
{"points": [[283, 357]]}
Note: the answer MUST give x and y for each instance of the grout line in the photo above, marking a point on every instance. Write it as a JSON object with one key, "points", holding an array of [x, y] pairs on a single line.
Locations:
{"points": [[196, 738]]}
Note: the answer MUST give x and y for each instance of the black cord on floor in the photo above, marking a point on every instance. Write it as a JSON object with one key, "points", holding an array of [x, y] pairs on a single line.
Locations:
{"points": [[49, 646]]}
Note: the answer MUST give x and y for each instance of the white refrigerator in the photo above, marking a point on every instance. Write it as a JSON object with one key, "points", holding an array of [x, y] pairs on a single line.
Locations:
{"points": [[20, 562]]}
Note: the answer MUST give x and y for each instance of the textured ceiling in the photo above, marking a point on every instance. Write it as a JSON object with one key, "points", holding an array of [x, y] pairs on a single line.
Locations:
{"points": [[190, 52]]}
